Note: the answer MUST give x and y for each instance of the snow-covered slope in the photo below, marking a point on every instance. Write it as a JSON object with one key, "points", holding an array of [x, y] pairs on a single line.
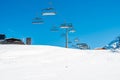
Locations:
{"points": [[22, 62]]}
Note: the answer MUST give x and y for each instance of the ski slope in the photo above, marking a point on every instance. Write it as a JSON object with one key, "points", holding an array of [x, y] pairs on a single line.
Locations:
{"points": [[39, 62]]}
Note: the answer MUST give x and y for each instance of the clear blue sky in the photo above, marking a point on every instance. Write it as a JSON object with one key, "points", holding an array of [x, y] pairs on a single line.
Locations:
{"points": [[97, 22]]}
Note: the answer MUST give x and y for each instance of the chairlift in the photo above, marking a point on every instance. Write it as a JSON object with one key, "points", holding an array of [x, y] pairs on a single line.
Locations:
{"points": [[72, 30], [76, 39], [37, 20], [66, 25], [82, 46], [48, 12], [54, 29]]}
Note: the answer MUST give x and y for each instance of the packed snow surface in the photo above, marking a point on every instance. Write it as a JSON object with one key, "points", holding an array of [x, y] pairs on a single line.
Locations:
{"points": [[30, 62]]}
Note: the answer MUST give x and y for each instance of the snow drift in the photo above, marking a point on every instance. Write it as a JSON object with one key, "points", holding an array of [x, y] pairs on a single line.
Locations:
{"points": [[23, 62]]}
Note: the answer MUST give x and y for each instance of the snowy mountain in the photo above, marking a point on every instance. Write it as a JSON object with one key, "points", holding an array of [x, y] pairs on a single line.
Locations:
{"points": [[115, 44], [30, 62]]}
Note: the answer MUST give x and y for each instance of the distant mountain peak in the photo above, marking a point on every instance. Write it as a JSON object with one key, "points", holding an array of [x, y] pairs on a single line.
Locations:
{"points": [[115, 44]]}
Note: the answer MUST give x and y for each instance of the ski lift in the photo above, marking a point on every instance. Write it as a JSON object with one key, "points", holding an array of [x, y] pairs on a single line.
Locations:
{"points": [[72, 30], [54, 29], [82, 46], [37, 20], [48, 12], [76, 39], [66, 25]]}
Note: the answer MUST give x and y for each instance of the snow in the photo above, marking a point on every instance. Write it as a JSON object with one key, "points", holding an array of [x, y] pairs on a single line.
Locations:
{"points": [[40, 62]]}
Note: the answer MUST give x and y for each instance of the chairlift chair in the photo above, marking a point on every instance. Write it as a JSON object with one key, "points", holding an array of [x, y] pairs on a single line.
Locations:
{"points": [[82, 46], [66, 25], [37, 20], [72, 30], [54, 29], [48, 12], [76, 39]]}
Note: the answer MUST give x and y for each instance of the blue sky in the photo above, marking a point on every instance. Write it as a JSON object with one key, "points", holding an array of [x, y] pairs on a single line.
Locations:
{"points": [[97, 22]]}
